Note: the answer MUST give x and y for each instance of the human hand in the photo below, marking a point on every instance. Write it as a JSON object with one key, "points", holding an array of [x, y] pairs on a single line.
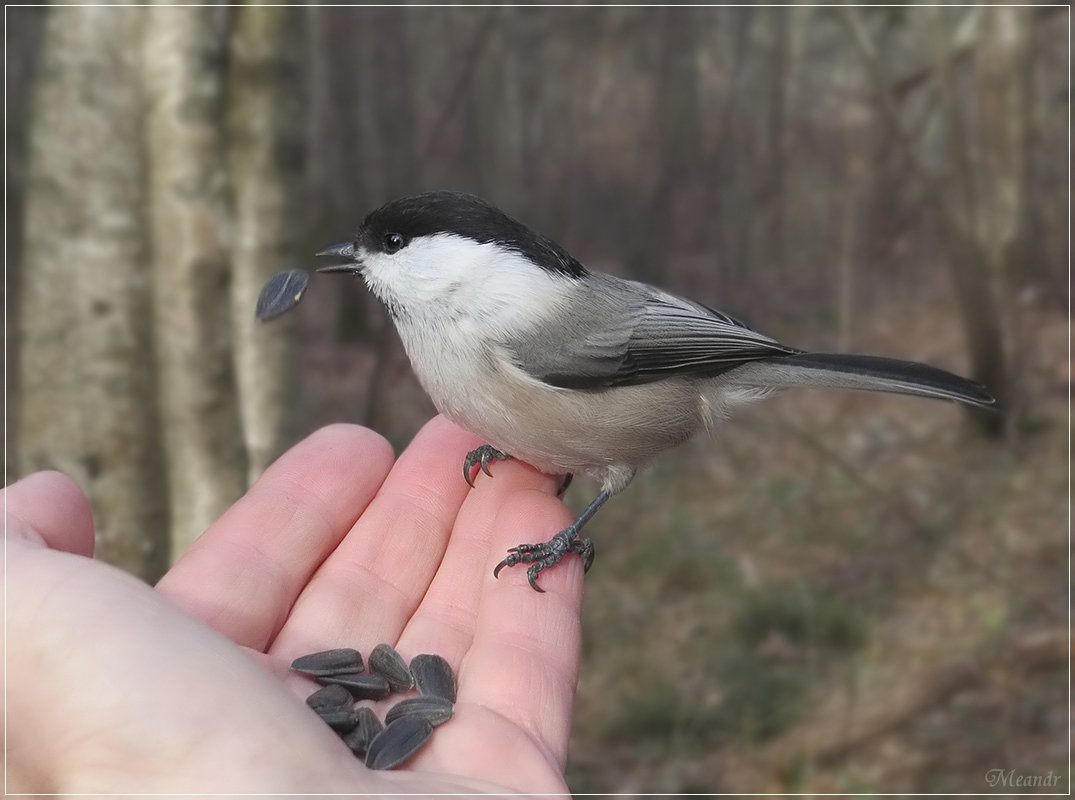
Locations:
{"points": [[114, 686]]}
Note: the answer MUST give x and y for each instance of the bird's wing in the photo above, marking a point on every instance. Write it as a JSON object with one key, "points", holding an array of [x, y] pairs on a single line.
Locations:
{"points": [[623, 337]]}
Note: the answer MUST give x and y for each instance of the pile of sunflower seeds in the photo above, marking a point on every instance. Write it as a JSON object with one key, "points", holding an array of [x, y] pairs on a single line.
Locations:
{"points": [[407, 726]]}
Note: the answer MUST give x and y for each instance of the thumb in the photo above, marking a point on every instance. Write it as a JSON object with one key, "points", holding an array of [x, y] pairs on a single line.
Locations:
{"points": [[48, 508]]}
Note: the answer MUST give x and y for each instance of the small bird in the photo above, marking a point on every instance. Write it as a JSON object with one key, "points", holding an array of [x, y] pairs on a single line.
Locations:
{"points": [[569, 369]]}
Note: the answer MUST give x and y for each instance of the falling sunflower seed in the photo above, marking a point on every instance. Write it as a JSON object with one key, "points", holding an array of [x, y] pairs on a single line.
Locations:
{"points": [[282, 293], [436, 710], [399, 740], [433, 676], [329, 662], [361, 685], [385, 661]]}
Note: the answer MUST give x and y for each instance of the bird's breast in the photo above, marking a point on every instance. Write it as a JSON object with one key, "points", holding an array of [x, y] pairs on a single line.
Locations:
{"points": [[597, 432]]}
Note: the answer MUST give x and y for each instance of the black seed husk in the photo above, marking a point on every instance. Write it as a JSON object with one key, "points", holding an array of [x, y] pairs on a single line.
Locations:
{"points": [[385, 661], [332, 696], [436, 710], [282, 293], [433, 676], [367, 729], [398, 742], [338, 718], [329, 662], [361, 685]]}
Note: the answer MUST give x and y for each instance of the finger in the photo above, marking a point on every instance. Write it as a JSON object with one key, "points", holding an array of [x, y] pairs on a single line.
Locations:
{"points": [[242, 576], [370, 586], [522, 666], [524, 663], [48, 507], [445, 621]]}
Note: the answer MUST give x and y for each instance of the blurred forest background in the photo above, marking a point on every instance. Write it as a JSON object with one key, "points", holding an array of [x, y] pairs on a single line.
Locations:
{"points": [[841, 593]]}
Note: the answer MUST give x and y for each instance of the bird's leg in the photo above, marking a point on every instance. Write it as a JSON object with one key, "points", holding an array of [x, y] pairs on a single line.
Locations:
{"points": [[565, 481], [544, 555], [481, 456]]}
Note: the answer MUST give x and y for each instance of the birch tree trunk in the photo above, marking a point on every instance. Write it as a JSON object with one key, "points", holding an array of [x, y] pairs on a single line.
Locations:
{"points": [[265, 130], [183, 82], [87, 392]]}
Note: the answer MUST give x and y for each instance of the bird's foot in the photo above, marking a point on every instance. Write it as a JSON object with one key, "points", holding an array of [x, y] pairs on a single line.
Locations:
{"points": [[481, 456], [544, 555]]}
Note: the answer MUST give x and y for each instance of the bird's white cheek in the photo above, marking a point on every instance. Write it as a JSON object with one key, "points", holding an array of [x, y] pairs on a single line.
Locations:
{"points": [[449, 277], [384, 278], [403, 280]]}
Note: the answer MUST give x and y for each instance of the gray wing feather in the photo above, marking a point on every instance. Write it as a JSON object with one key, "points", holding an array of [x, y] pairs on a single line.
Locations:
{"points": [[624, 333]]}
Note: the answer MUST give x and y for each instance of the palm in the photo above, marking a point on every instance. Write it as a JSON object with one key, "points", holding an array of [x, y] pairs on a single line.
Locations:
{"points": [[322, 553]]}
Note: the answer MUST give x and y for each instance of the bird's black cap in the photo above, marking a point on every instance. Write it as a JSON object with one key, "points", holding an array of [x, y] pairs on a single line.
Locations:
{"points": [[465, 215]]}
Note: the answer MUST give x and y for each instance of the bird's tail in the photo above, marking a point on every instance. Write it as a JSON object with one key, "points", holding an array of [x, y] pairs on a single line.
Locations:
{"points": [[850, 371]]}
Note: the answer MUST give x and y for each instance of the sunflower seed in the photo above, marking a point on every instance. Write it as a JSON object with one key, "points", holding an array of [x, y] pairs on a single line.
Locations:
{"points": [[281, 293], [385, 661], [367, 729], [433, 676], [329, 662], [361, 685], [397, 742], [339, 718], [332, 696], [436, 710]]}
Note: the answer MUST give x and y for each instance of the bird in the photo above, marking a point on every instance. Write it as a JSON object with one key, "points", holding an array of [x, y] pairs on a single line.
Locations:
{"points": [[572, 370]]}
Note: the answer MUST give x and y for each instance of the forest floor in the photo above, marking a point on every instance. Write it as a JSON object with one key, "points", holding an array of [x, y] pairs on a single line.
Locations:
{"points": [[840, 592]]}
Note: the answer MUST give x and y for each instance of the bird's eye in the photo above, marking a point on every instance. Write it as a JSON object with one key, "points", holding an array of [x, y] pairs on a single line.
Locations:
{"points": [[393, 242]]}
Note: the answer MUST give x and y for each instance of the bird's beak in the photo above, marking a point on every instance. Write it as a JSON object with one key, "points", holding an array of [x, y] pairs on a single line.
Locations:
{"points": [[345, 251]]}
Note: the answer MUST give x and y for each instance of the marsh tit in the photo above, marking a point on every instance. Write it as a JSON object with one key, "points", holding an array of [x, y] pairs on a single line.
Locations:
{"points": [[572, 370]]}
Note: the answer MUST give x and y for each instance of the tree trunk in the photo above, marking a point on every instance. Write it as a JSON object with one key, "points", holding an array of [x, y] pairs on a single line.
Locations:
{"points": [[974, 267], [87, 394], [390, 30], [266, 151], [661, 226], [955, 212], [184, 93]]}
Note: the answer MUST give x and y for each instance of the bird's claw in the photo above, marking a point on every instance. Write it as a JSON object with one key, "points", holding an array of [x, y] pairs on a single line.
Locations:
{"points": [[546, 554], [481, 456]]}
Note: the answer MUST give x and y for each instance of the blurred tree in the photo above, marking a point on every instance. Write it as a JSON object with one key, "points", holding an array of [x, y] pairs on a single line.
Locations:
{"points": [[183, 80], [20, 64], [266, 140], [664, 221], [395, 120], [339, 73], [1007, 221], [127, 376], [953, 199], [87, 387], [730, 178], [513, 151], [773, 192]]}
